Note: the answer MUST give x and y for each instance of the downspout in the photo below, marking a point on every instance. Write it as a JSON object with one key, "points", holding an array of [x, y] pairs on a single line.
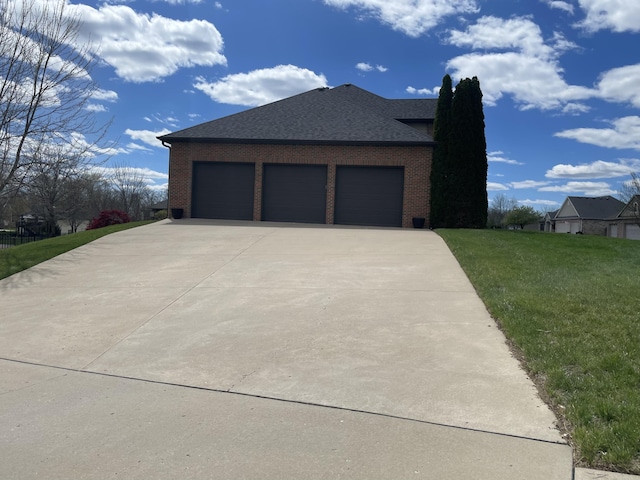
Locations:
{"points": [[168, 145]]}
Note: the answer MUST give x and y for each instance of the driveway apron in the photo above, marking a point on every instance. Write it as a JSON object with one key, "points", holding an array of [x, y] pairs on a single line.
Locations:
{"points": [[219, 349]]}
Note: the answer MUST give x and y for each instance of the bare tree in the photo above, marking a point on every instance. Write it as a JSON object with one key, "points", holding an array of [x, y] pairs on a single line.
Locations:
{"points": [[132, 190], [498, 209], [630, 188], [51, 180], [45, 86]]}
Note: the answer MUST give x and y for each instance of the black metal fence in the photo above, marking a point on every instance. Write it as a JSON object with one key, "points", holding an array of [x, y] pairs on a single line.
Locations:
{"points": [[11, 239], [28, 230]]}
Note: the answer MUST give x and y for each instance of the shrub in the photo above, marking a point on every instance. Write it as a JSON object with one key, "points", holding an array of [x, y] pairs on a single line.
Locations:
{"points": [[108, 217], [160, 215]]}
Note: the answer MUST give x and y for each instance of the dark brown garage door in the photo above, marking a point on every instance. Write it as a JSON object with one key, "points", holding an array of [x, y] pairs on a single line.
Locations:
{"points": [[294, 193], [369, 196], [223, 190]]}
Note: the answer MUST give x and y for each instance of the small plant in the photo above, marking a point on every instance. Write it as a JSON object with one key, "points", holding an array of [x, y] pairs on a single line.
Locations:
{"points": [[108, 217], [160, 215]]}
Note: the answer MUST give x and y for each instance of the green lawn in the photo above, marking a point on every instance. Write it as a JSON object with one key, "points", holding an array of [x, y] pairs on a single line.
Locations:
{"points": [[570, 304], [16, 259]]}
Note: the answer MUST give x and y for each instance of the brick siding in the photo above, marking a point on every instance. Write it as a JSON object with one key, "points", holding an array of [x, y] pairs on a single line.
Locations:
{"points": [[416, 161]]}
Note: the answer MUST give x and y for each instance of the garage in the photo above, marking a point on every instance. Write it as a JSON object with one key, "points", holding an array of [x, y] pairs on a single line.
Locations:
{"points": [[632, 231], [369, 196], [223, 190], [567, 226], [294, 193]]}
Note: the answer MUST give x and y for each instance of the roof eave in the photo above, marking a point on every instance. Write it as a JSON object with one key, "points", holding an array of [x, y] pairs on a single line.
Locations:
{"points": [[253, 141]]}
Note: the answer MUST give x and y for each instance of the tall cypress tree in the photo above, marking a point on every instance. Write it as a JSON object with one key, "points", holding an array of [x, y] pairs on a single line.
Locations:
{"points": [[439, 173], [467, 159], [480, 203]]}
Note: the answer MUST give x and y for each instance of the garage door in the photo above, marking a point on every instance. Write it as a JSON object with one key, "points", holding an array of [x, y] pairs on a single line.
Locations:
{"points": [[632, 231], [567, 226], [369, 196], [294, 193], [223, 190]]}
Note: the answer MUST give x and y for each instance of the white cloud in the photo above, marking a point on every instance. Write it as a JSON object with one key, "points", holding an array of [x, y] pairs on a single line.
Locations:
{"points": [[135, 146], [528, 184], [495, 187], [182, 2], [259, 87], [616, 15], [597, 169], [560, 5], [95, 107], [367, 67], [105, 95], [563, 44], [147, 136], [143, 47], [162, 187], [625, 133], [146, 173], [590, 189], [411, 17], [162, 119], [423, 91], [528, 70], [518, 33], [497, 157], [546, 203], [621, 85]]}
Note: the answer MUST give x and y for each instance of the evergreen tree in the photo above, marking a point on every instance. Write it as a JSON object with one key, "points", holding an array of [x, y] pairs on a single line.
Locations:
{"points": [[441, 133], [460, 182], [475, 163]]}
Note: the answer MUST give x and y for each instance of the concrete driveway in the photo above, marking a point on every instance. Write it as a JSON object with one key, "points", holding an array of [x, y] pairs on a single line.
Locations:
{"points": [[204, 349]]}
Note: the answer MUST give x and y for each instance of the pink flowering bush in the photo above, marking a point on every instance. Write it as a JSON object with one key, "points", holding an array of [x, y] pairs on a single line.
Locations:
{"points": [[108, 217]]}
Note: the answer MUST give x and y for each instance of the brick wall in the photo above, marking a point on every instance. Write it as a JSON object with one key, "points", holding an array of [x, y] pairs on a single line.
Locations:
{"points": [[416, 161]]}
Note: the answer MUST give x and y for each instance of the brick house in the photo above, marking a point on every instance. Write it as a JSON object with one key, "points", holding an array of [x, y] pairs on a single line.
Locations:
{"points": [[338, 155]]}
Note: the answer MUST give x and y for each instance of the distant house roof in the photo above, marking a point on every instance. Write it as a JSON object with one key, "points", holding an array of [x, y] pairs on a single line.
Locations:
{"points": [[631, 209], [161, 205], [592, 208], [344, 114]]}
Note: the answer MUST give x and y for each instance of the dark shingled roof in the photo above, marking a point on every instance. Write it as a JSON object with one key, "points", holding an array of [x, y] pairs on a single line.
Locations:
{"points": [[596, 208], [345, 114]]}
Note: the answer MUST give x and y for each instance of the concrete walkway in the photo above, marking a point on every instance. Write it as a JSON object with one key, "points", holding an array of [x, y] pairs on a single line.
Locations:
{"points": [[202, 349]]}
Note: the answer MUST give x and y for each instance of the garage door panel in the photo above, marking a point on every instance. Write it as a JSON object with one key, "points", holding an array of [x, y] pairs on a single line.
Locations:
{"points": [[294, 193], [369, 196], [632, 232], [223, 190]]}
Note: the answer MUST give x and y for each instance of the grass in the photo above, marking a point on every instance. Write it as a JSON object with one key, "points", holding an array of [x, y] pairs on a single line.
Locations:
{"points": [[16, 259], [570, 305]]}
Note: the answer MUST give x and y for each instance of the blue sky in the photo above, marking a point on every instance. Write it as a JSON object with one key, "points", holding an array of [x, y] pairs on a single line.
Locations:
{"points": [[561, 79]]}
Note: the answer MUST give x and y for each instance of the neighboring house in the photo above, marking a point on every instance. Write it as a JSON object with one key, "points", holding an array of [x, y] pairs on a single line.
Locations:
{"points": [[627, 223], [158, 207], [338, 155], [549, 222], [588, 215]]}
